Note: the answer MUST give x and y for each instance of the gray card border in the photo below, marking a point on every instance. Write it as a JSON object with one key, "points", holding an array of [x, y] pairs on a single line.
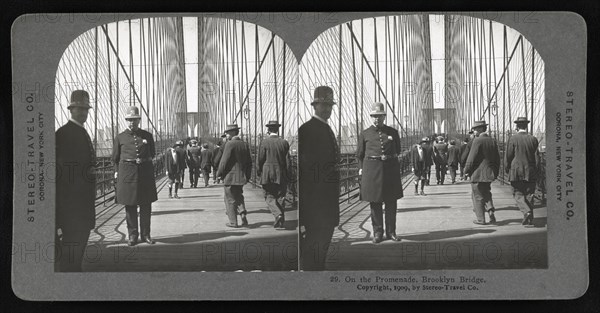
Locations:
{"points": [[38, 42]]}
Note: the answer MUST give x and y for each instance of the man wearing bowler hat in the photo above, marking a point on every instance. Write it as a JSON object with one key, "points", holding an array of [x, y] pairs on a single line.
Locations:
{"points": [[377, 153], [272, 170], [75, 186], [483, 164], [522, 165], [175, 164], [422, 159], [132, 155], [234, 170], [319, 182]]}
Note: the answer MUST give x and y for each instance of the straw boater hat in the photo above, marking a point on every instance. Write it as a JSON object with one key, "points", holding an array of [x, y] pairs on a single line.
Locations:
{"points": [[424, 139], [133, 112], [273, 123], [323, 94], [80, 99], [231, 127], [522, 120], [378, 109], [193, 141], [478, 124], [178, 143]]}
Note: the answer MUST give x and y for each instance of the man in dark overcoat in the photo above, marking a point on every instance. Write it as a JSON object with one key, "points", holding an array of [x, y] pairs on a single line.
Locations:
{"points": [[319, 182], [235, 169], [377, 152], [465, 154], [217, 153], [440, 158], [193, 161], [75, 186], [206, 158], [461, 150], [483, 164], [133, 151], [453, 159], [272, 169], [421, 160], [174, 164], [522, 166]]}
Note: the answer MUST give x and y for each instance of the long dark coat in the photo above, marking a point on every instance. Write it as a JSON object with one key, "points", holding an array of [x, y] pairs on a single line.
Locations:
{"points": [[440, 153], [135, 182], [483, 163], [217, 153], [381, 180], [206, 158], [319, 178], [453, 156], [75, 179], [172, 166], [272, 161], [522, 158], [419, 168], [236, 163]]}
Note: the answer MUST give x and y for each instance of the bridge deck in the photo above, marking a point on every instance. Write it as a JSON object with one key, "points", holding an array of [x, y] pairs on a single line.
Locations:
{"points": [[437, 232], [191, 235]]}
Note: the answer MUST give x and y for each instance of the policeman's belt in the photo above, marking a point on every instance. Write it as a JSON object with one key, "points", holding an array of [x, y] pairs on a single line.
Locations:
{"points": [[382, 157], [137, 161]]}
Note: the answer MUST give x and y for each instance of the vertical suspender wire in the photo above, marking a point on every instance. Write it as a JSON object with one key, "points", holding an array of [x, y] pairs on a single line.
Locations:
{"points": [[340, 91], [357, 131], [493, 58], [508, 97], [283, 94], [117, 81], [362, 77], [375, 92], [532, 85], [96, 92], [256, 52], [385, 48], [275, 78], [524, 82], [504, 103]]}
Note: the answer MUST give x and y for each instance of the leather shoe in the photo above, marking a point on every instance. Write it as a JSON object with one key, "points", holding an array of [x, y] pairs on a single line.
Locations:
{"points": [[528, 219], [148, 240], [279, 221], [492, 218], [479, 222], [132, 241], [244, 221], [392, 236], [232, 225], [176, 196], [377, 238], [423, 193]]}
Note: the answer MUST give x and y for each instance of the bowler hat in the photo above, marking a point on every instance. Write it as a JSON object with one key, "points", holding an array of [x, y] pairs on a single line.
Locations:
{"points": [[80, 98], [133, 112], [479, 124], [231, 127], [323, 94], [424, 139], [178, 143], [522, 119], [378, 109], [273, 123], [223, 136]]}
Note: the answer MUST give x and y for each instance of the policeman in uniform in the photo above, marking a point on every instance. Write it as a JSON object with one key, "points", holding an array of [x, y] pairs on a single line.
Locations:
{"points": [[377, 152], [132, 155], [522, 164], [272, 169], [75, 186]]}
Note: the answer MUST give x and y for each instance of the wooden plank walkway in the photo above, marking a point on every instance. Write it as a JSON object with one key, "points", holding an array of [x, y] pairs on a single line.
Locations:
{"points": [[191, 235], [438, 233]]}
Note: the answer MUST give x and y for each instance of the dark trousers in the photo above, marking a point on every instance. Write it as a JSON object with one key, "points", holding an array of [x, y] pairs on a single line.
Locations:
{"points": [[453, 169], [131, 215], [69, 250], [194, 174], [206, 174], [521, 191], [481, 195], [440, 172], [462, 171], [314, 246], [275, 198], [215, 168], [428, 173], [234, 202], [182, 178], [390, 217]]}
